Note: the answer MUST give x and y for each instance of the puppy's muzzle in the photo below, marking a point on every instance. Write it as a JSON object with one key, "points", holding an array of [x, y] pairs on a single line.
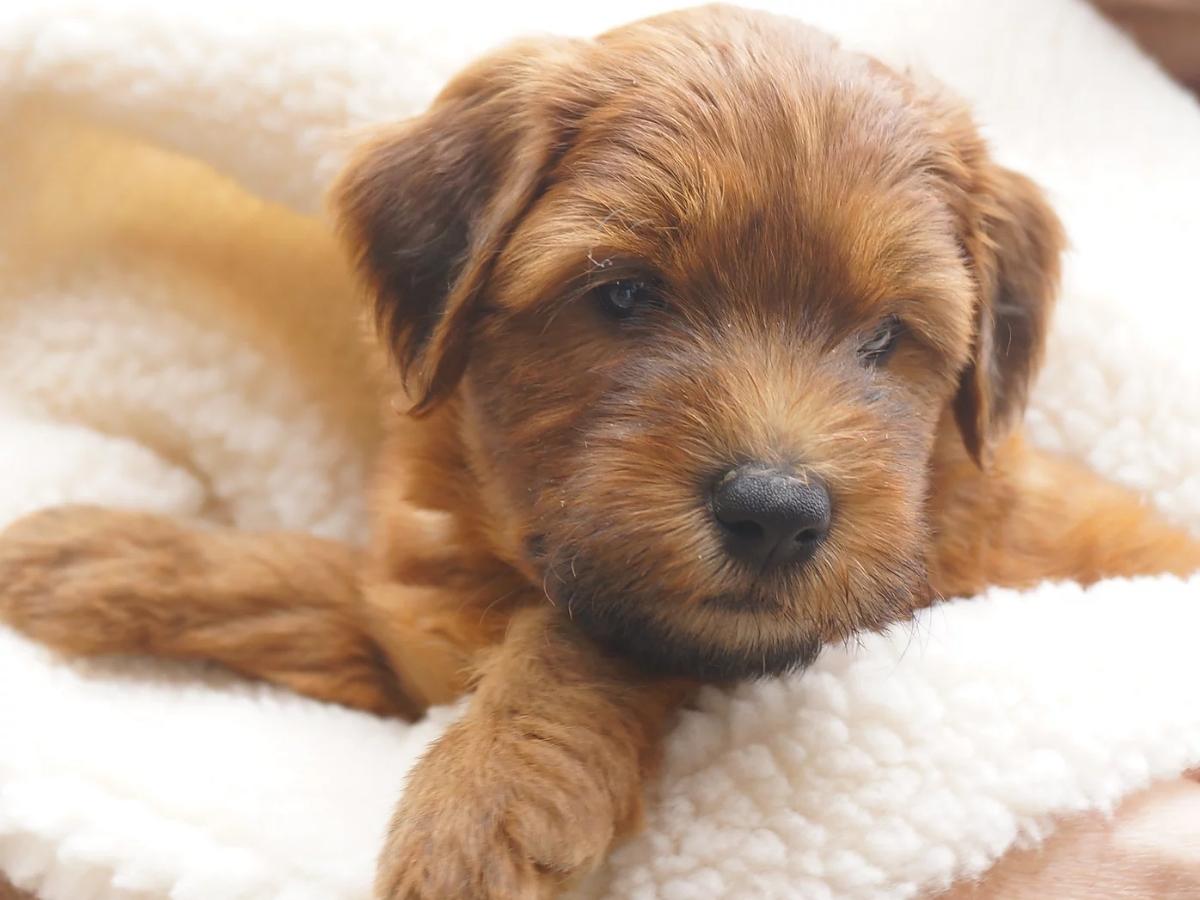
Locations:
{"points": [[770, 517]]}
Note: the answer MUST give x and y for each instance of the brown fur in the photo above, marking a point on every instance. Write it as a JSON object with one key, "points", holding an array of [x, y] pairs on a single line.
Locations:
{"points": [[541, 529]]}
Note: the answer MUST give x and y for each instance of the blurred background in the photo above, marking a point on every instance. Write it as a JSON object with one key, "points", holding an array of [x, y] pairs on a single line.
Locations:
{"points": [[1167, 29]]}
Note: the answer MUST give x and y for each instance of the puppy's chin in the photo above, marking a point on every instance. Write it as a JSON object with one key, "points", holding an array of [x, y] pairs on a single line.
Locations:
{"points": [[759, 631], [631, 628]]}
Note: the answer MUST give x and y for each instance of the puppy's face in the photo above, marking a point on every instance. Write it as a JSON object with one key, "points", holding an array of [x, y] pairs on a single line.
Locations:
{"points": [[704, 291]]}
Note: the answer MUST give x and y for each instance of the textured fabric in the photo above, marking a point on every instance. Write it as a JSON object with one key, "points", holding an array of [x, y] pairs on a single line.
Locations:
{"points": [[178, 332]]}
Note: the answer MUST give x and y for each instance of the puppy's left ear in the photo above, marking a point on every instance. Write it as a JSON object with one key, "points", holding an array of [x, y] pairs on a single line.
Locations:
{"points": [[1014, 243]]}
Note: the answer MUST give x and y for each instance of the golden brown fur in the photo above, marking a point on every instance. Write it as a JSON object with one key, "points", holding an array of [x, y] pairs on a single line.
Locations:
{"points": [[542, 529]]}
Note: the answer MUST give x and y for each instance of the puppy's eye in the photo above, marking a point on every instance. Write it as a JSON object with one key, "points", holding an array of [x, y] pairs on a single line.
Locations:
{"points": [[621, 299], [879, 346]]}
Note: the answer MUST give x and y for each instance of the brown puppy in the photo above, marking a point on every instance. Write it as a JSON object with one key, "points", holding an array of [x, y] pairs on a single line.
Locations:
{"points": [[715, 337]]}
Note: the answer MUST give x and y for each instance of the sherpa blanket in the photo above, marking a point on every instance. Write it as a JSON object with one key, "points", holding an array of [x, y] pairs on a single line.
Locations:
{"points": [[178, 332]]}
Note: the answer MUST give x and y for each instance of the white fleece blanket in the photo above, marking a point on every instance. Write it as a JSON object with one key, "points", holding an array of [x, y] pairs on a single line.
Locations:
{"points": [[177, 332]]}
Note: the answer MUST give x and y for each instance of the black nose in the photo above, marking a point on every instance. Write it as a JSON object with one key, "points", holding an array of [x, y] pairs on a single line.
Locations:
{"points": [[770, 517]]}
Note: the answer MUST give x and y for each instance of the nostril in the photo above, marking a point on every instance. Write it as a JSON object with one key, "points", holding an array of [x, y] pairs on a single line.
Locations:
{"points": [[809, 536], [746, 530]]}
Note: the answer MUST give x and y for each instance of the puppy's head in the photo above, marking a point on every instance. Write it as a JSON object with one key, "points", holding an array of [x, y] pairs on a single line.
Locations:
{"points": [[699, 293]]}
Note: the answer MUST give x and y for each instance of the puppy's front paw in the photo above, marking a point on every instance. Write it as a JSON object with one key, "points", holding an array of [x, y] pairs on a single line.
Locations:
{"points": [[88, 580], [501, 814]]}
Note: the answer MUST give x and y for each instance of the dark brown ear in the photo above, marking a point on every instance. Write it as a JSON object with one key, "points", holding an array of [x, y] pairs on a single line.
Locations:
{"points": [[1013, 242], [428, 205], [1015, 250]]}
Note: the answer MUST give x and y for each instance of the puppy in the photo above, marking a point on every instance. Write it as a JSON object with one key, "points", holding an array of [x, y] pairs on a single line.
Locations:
{"points": [[715, 339]]}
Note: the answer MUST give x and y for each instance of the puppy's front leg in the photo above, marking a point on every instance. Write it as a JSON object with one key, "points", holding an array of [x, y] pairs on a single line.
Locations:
{"points": [[532, 786], [282, 606]]}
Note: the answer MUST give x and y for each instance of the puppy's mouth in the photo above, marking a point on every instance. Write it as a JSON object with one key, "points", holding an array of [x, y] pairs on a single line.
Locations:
{"points": [[757, 603], [703, 644], [764, 630]]}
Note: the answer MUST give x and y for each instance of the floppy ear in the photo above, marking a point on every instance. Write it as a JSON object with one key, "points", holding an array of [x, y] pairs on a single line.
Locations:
{"points": [[1015, 254], [1013, 242], [428, 205]]}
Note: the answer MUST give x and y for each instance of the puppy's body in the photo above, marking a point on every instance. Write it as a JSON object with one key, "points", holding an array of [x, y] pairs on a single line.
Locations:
{"points": [[717, 336]]}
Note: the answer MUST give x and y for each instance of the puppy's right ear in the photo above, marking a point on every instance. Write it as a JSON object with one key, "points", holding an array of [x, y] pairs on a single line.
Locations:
{"points": [[428, 205]]}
